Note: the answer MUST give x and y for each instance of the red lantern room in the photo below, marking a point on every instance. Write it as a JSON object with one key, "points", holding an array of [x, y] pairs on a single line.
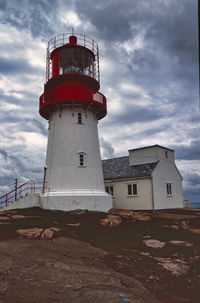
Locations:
{"points": [[72, 75]]}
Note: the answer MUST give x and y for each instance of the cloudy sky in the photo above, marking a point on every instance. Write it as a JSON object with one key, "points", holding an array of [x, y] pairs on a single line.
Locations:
{"points": [[149, 74]]}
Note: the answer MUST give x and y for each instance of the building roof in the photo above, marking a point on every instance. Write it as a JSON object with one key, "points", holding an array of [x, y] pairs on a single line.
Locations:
{"points": [[156, 145], [118, 168]]}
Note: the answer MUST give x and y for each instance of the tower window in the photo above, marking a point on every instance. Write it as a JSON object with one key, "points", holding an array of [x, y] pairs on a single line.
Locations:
{"points": [[166, 154], [132, 189], [81, 159], [79, 118], [169, 188]]}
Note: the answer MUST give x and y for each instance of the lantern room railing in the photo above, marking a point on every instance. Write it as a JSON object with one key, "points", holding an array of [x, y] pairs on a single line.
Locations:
{"points": [[82, 40]]}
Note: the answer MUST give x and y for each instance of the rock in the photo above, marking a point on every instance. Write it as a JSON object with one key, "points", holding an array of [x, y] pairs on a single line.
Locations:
{"points": [[154, 243], [181, 243], [4, 219], [4, 286], [30, 233], [176, 267], [78, 211], [195, 230], [130, 214], [174, 227], [185, 226], [111, 221], [18, 217], [144, 253], [47, 234], [55, 228], [74, 224]]}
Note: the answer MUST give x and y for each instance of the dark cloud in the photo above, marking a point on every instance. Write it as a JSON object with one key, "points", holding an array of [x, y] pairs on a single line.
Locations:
{"points": [[33, 15], [193, 179], [8, 66], [192, 195], [134, 114], [188, 152], [4, 154]]}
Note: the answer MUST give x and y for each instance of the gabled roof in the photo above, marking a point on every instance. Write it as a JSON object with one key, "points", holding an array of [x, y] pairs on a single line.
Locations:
{"points": [[156, 145], [118, 168]]}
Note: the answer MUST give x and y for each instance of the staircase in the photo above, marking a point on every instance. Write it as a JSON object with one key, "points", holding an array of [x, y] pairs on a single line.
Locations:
{"points": [[20, 191]]}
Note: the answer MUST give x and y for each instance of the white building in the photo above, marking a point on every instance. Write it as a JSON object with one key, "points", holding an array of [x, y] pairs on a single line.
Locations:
{"points": [[147, 179]]}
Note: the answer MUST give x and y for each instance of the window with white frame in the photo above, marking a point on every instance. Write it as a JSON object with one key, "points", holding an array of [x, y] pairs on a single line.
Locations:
{"points": [[169, 189], [132, 189], [109, 190]]}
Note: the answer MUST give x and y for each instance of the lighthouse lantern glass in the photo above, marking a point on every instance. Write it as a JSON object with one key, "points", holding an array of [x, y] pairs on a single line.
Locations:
{"points": [[76, 60]]}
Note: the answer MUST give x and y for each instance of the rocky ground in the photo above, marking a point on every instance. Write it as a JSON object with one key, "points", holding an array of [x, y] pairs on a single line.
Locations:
{"points": [[80, 256]]}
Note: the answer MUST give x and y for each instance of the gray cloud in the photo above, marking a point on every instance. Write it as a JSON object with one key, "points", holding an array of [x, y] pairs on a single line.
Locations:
{"points": [[108, 150], [188, 152]]}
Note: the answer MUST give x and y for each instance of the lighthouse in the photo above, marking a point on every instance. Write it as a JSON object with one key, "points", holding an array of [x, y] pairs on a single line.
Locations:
{"points": [[73, 105]]}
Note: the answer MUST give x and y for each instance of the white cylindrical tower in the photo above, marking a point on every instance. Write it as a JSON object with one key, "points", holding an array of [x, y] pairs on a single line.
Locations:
{"points": [[71, 102]]}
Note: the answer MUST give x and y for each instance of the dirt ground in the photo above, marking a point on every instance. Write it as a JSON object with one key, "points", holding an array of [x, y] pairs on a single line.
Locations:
{"points": [[88, 262]]}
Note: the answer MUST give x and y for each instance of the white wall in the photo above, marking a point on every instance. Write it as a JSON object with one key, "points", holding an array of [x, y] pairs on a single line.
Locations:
{"points": [[166, 172], [143, 200], [66, 139], [149, 155]]}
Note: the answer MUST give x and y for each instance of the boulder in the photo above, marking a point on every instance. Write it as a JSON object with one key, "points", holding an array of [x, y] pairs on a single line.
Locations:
{"points": [[130, 214], [154, 243], [47, 234], [30, 233], [111, 221]]}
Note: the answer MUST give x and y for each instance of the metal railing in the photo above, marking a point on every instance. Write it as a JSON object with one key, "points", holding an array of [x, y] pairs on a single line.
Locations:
{"points": [[20, 191], [82, 40], [188, 204]]}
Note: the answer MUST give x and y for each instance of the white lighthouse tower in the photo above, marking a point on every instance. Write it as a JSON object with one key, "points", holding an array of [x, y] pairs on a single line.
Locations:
{"points": [[71, 103]]}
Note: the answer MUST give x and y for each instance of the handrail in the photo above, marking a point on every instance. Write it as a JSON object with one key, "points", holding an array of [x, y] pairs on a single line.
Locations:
{"points": [[188, 204], [20, 191]]}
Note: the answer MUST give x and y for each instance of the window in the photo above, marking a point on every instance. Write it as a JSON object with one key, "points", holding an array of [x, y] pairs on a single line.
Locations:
{"points": [[169, 188], [79, 118], [166, 154], [109, 190], [81, 159], [132, 189]]}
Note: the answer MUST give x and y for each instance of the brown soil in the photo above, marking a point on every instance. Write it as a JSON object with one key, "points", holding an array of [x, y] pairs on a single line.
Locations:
{"points": [[88, 262]]}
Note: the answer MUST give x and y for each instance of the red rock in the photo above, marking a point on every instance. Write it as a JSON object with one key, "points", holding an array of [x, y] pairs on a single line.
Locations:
{"points": [[111, 221]]}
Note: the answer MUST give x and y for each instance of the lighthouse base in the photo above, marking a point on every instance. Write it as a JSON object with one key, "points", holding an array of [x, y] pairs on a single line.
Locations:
{"points": [[93, 201]]}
